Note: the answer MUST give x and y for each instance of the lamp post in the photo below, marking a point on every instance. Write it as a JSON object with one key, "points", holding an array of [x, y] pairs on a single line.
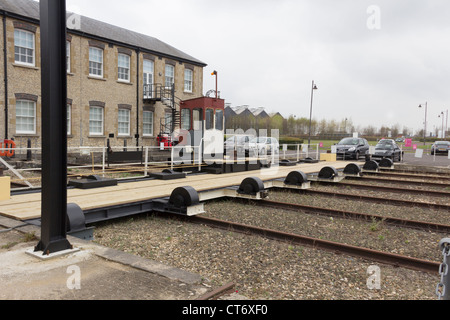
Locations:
{"points": [[425, 123], [216, 74], [441, 115], [313, 87]]}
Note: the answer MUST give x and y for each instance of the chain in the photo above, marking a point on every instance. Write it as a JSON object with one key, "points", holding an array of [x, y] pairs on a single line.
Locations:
{"points": [[443, 269]]}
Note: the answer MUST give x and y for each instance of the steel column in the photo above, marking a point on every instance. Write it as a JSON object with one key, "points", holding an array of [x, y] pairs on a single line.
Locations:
{"points": [[54, 127]]}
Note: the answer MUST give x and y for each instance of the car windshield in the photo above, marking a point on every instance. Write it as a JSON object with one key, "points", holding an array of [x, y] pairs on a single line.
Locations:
{"points": [[259, 140], [349, 141], [442, 144], [384, 146]]}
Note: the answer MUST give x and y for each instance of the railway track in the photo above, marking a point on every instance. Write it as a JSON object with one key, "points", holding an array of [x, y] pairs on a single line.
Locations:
{"points": [[408, 175], [407, 181], [397, 253], [336, 247], [400, 202], [435, 193], [420, 225]]}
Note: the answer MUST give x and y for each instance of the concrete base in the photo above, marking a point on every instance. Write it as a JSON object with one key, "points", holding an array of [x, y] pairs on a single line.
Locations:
{"points": [[40, 254]]}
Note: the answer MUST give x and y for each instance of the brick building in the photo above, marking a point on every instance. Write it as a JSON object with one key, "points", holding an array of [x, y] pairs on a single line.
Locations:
{"points": [[119, 82]]}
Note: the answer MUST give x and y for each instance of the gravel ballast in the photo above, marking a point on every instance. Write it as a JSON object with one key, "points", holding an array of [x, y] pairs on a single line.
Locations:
{"points": [[267, 269]]}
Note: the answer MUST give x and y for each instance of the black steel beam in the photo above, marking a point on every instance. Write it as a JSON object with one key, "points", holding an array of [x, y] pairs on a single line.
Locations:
{"points": [[54, 127]]}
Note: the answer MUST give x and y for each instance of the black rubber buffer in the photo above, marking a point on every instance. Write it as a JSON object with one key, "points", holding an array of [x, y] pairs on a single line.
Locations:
{"points": [[328, 173], [251, 186], [184, 197], [352, 168], [76, 220], [296, 178], [371, 165], [386, 163]]}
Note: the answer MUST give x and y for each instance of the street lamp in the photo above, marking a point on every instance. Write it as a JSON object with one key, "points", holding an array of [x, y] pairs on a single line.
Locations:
{"points": [[313, 87], [425, 123], [441, 115]]}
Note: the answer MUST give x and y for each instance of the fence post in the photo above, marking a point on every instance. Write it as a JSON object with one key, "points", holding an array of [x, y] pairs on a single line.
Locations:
{"points": [[103, 160], [29, 156], [146, 161]]}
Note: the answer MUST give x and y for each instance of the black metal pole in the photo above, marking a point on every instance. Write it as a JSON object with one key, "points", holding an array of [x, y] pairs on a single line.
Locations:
{"points": [[54, 127]]}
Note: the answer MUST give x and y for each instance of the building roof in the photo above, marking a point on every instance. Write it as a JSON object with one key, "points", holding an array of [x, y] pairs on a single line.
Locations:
{"points": [[259, 112], [91, 27]]}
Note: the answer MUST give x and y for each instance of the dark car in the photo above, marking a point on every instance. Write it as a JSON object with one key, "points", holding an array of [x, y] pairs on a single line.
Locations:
{"points": [[440, 147], [352, 148], [387, 148]]}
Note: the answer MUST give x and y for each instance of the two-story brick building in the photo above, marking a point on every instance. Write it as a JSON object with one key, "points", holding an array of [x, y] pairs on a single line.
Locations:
{"points": [[117, 80]]}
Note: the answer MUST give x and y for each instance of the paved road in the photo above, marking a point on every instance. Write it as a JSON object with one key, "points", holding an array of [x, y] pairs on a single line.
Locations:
{"points": [[427, 160]]}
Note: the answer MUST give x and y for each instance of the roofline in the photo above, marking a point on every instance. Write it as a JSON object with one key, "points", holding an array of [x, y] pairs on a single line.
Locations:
{"points": [[95, 37]]}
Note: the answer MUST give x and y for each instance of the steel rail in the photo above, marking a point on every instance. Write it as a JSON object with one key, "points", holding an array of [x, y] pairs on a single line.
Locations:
{"points": [[415, 224], [387, 189], [407, 175], [372, 198], [336, 247], [216, 293], [400, 181]]}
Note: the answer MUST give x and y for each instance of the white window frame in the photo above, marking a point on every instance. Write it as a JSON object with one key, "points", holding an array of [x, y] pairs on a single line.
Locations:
{"points": [[92, 50], [188, 80], [69, 119], [17, 33], [92, 133], [123, 70], [148, 123], [121, 120], [68, 55], [185, 119], [148, 77], [18, 117], [169, 75]]}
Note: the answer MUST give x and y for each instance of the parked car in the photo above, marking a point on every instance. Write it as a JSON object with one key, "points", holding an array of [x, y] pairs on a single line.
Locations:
{"points": [[264, 145], [349, 148], [387, 148], [239, 143], [440, 147]]}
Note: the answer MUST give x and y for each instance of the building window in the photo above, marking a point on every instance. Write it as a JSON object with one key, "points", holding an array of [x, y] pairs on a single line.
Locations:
{"points": [[148, 71], [95, 121], [124, 122], [209, 119], [25, 117], [188, 79], [124, 67], [148, 123], [69, 122], [170, 75], [185, 119], [196, 119], [24, 47], [68, 56], [95, 62], [219, 119]]}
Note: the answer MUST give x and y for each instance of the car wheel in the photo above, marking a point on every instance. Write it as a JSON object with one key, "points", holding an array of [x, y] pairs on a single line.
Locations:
{"points": [[357, 155]]}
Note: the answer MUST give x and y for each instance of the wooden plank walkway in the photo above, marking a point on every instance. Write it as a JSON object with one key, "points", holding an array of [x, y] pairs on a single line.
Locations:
{"points": [[28, 206]]}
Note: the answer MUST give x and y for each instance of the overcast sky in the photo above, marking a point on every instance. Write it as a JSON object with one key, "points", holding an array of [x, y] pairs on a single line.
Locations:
{"points": [[374, 62]]}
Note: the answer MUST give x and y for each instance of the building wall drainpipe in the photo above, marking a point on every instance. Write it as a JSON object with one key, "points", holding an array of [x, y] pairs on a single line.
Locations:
{"points": [[5, 61]]}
